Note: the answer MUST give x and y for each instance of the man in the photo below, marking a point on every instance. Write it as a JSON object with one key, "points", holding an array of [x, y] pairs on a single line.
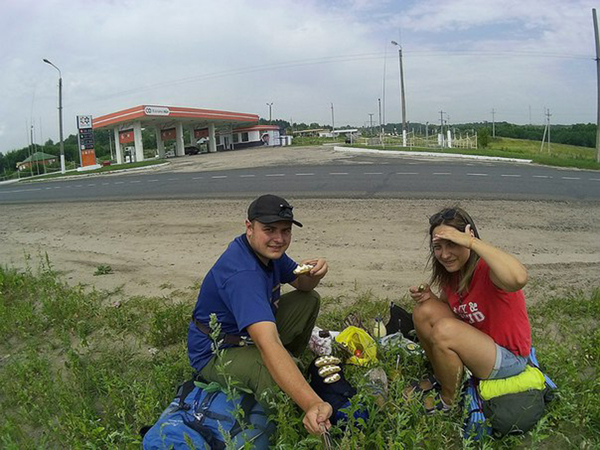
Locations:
{"points": [[243, 290]]}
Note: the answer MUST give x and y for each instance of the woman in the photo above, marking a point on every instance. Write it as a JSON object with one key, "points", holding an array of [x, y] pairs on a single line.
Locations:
{"points": [[479, 319]]}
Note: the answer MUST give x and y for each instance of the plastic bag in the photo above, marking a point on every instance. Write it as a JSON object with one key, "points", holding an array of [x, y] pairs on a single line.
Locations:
{"points": [[361, 346]]}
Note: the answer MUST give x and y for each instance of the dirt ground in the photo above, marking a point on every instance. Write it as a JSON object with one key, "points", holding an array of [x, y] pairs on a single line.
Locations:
{"points": [[155, 247]]}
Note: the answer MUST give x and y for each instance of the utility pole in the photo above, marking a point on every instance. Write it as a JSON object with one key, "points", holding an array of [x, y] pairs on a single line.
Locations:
{"points": [[60, 118], [442, 127], [598, 84], [402, 96], [546, 130], [332, 120], [371, 121], [493, 123], [270, 105]]}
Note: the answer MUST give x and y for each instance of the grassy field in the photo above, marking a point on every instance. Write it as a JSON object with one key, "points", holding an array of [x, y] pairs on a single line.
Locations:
{"points": [[80, 370], [559, 155]]}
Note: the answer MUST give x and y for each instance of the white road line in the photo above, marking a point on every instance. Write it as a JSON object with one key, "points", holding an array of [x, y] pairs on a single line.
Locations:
{"points": [[136, 181], [513, 176], [57, 187], [442, 173], [373, 173], [542, 176], [79, 185], [151, 181], [197, 178], [477, 174], [304, 174], [338, 173], [219, 176], [171, 179], [407, 173], [594, 179], [119, 182], [105, 184], [92, 184], [48, 188], [570, 178], [275, 175], [247, 176]]}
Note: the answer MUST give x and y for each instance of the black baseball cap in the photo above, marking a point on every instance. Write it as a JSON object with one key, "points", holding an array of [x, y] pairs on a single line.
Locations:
{"points": [[270, 209]]}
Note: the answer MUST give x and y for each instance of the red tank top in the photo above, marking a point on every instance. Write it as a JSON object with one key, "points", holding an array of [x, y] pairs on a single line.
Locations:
{"points": [[499, 314]]}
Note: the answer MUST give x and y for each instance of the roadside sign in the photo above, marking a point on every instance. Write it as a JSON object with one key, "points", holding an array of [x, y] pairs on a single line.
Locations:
{"points": [[85, 139]]}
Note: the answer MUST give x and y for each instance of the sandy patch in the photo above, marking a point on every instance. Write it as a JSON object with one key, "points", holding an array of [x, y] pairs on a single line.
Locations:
{"points": [[155, 247]]}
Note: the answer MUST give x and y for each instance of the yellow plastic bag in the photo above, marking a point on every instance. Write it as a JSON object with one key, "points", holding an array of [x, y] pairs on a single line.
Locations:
{"points": [[359, 344]]}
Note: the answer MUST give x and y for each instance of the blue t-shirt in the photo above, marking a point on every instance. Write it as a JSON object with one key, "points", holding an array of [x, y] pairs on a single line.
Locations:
{"points": [[241, 291]]}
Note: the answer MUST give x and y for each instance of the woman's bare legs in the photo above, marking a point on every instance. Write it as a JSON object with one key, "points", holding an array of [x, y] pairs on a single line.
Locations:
{"points": [[449, 343]]}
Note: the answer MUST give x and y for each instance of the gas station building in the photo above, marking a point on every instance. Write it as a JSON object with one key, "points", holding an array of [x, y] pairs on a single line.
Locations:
{"points": [[169, 123]]}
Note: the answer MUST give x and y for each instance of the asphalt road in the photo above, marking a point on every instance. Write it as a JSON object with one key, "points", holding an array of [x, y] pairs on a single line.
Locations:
{"points": [[363, 177]]}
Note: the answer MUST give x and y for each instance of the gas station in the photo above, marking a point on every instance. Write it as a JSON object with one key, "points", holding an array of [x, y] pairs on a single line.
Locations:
{"points": [[168, 123]]}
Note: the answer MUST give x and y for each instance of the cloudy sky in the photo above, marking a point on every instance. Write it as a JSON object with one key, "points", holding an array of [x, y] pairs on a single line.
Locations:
{"points": [[464, 57]]}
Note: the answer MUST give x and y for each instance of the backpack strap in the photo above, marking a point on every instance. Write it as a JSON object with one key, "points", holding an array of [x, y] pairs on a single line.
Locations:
{"points": [[246, 404], [183, 391]]}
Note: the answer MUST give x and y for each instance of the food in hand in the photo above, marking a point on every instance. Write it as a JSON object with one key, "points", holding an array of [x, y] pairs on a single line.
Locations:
{"points": [[422, 287], [303, 268], [332, 378], [327, 361], [325, 371]]}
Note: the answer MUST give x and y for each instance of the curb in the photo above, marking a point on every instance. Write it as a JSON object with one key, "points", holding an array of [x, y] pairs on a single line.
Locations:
{"points": [[429, 154], [98, 174]]}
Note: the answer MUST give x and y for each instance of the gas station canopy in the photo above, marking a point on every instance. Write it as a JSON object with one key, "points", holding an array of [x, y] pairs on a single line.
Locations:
{"points": [[168, 122]]}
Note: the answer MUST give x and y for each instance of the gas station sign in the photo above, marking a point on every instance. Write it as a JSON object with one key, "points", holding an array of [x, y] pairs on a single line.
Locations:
{"points": [[85, 138]]}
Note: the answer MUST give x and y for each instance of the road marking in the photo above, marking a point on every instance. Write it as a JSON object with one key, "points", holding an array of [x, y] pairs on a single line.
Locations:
{"points": [[79, 185], [57, 187], [247, 176], [442, 173], [594, 179], [197, 178], [338, 173], [219, 176], [92, 184], [373, 173], [477, 174], [542, 176], [304, 174], [275, 175], [171, 179], [119, 182], [136, 181], [48, 188], [570, 178], [513, 176], [407, 173], [105, 184], [151, 181]]}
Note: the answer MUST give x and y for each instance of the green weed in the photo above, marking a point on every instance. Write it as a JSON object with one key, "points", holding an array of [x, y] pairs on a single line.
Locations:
{"points": [[76, 372]]}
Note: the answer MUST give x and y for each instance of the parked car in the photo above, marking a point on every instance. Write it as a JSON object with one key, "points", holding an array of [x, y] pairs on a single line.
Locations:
{"points": [[191, 150]]}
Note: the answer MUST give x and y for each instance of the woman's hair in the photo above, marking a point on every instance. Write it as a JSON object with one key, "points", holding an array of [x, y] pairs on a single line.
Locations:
{"points": [[458, 218]]}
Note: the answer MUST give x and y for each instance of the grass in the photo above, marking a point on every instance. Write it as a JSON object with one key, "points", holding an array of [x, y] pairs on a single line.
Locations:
{"points": [[112, 167], [77, 371], [560, 154]]}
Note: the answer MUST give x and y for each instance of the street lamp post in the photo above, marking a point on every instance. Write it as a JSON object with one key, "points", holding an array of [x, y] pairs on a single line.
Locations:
{"points": [[270, 105], [60, 118], [402, 99]]}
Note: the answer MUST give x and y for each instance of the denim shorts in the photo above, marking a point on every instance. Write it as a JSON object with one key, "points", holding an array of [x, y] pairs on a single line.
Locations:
{"points": [[507, 364]]}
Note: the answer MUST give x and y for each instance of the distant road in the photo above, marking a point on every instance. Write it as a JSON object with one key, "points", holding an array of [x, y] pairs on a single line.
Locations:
{"points": [[363, 178]]}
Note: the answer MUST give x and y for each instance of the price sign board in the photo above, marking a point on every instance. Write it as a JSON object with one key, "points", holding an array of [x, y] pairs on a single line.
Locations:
{"points": [[85, 138]]}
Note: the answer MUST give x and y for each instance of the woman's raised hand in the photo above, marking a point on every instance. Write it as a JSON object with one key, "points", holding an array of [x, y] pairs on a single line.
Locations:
{"points": [[451, 234]]}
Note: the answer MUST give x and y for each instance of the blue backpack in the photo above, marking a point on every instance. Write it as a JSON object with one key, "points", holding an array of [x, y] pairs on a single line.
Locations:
{"points": [[199, 419]]}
